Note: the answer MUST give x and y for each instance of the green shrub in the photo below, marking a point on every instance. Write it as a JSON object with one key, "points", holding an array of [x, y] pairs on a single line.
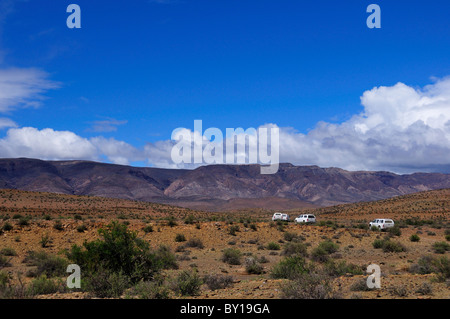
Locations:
{"points": [[4, 262], [336, 269], [309, 286], [7, 226], [180, 238], [388, 245], [171, 221], [394, 247], [8, 252], [441, 247], [44, 286], [395, 231], [360, 285], [252, 266], [295, 248], [45, 240], [273, 246], [289, 268], [195, 243], [24, 221], [378, 243], [323, 250], [81, 228], [414, 238], [232, 256], [233, 229], [442, 268], [148, 229], [187, 283], [189, 220], [107, 284], [423, 266], [58, 225], [119, 251], [155, 289], [46, 264]]}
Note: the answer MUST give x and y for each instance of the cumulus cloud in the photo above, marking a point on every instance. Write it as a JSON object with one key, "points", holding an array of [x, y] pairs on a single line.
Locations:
{"points": [[402, 129], [23, 88]]}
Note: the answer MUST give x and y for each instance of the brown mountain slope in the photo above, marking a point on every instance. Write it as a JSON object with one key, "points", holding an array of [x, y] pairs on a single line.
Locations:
{"points": [[215, 187]]}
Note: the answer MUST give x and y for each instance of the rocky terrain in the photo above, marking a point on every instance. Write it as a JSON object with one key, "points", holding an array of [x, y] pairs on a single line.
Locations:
{"points": [[65, 220]]}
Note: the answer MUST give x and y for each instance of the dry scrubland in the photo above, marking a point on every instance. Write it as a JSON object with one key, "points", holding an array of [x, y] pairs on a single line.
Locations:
{"points": [[240, 254]]}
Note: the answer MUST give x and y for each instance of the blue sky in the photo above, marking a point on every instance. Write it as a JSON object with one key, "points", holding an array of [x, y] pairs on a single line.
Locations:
{"points": [[137, 70]]}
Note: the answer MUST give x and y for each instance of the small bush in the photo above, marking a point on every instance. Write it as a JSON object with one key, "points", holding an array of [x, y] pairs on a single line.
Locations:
{"points": [[394, 247], [273, 246], [7, 226], [232, 256], [180, 238], [323, 250], [425, 289], [155, 289], [189, 220], [441, 247], [46, 264], [289, 268], [309, 286], [233, 229], [171, 221], [360, 285], [58, 225], [81, 228], [4, 262], [295, 248], [218, 281], [45, 240], [195, 243], [107, 284], [8, 252], [395, 231], [423, 266], [414, 238], [44, 286], [148, 229], [336, 269], [388, 245], [187, 283], [252, 266]]}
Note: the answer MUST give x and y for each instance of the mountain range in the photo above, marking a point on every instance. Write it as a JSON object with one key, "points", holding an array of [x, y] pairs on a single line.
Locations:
{"points": [[215, 187]]}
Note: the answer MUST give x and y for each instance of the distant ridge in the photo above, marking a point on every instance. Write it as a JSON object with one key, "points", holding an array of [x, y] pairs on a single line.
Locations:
{"points": [[215, 187]]}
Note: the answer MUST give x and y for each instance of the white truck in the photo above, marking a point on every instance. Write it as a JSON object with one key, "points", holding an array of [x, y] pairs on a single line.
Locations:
{"points": [[382, 223]]}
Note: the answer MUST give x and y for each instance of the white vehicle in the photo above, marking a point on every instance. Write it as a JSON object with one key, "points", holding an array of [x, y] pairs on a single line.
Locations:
{"points": [[382, 223], [280, 216], [306, 218]]}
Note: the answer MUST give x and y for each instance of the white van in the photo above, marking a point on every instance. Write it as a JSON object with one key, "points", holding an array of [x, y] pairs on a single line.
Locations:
{"points": [[382, 223]]}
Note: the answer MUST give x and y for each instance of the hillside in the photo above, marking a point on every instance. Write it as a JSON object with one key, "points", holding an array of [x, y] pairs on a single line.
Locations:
{"points": [[215, 187]]}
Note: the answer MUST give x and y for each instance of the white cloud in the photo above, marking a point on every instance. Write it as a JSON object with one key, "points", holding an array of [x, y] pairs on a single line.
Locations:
{"points": [[23, 88], [108, 125], [6, 123], [402, 129], [46, 144]]}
